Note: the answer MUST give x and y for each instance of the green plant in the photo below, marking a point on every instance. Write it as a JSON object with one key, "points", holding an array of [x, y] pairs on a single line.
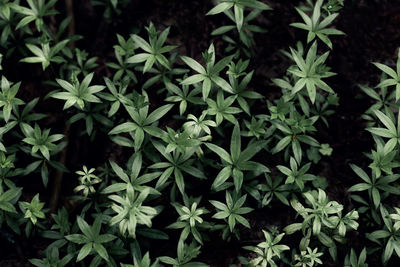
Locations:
{"points": [[222, 108], [79, 92], [353, 261], [394, 76], [142, 122], [36, 12], [154, 49], [190, 219], [209, 76], [32, 210], [40, 140], [315, 27], [131, 211], [7, 98], [310, 72], [185, 254], [87, 179], [177, 163], [236, 161], [295, 175], [308, 257], [232, 211], [238, 8], [52, 259], [268, 251], [158, 127], [321, 218], [389, 234], [389, 132], [91, 238], [374, 185]]}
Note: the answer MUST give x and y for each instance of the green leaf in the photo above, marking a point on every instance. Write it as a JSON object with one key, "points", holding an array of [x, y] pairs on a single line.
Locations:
{"points": [[168, 260], [297, 150], [222, 30], [117, 187], [224, 85], [153, 233], [85, 250], [220, 8], [386, 121], [66, 85], [292, 228], [179, 180], [326, 240], [381, 132], [387, 254], [158, 113], [142, 43], [164, 176], [250, 151], [220, 65], [361, 173], [85, 228], [359, 187], [142, 57], [376, 197], [238, 16], [193, 79], [206, 88], [379, 234], [222, 176], [255, 4], [389, 71], [220, 152], [193, 64], [284, 142], [101, 251], [235, 143], [237, 179], [119, 171]]}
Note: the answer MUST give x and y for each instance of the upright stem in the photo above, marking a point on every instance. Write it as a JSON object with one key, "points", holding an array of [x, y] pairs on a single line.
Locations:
{"points": [[70, 12], [58, 179]]}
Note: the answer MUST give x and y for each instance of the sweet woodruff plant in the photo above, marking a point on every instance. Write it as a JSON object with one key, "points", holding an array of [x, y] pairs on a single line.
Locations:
{"points": [[196, 151]]}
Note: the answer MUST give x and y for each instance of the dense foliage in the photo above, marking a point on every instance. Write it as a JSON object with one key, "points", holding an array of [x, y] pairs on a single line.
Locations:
{"points": [[192, 154]]}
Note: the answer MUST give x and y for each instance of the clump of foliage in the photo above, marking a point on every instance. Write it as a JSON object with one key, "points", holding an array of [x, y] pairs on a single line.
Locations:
{"points": [[197, 152]]}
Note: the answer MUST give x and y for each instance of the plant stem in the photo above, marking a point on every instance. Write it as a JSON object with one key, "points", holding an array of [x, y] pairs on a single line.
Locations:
{"points": [[59, 175]]}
